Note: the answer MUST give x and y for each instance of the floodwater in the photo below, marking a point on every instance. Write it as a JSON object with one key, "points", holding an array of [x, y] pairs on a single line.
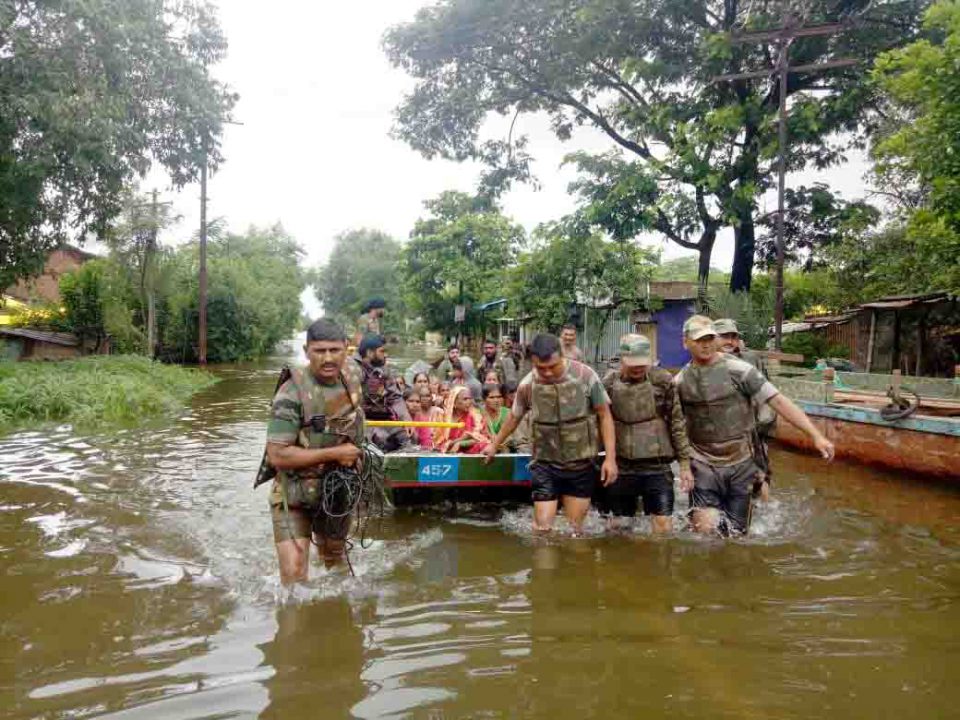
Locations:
{"points": [[139, 581]]}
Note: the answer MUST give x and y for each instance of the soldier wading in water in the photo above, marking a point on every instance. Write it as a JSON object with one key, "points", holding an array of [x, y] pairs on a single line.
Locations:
{"points": [[316, 425], [717, 392], [651, 433], [567, 403]]}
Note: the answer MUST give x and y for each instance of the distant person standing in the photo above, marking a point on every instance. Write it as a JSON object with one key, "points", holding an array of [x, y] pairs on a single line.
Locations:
{"points": [[717, 392], [568, 406], [445, 370], [568, 343], [651, 434], [371, 321], [509, 360], [382, 398], [490, 361]]}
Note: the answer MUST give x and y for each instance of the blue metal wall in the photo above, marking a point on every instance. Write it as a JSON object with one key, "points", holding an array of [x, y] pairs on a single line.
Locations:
{"points": [[670, 321]]}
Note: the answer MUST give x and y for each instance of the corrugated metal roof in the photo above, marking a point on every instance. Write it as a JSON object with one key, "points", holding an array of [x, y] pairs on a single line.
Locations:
{"points": [[896, 302], [55, 338]]}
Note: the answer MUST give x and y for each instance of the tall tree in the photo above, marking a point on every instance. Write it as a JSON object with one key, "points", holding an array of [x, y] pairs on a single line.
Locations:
{"points": [[362, 265], [92, 92], [919, 148], [691, 156], [459, 254], [570, 264]]}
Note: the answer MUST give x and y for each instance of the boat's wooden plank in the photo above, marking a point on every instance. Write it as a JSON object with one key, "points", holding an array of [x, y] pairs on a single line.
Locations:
{"points": [[880, 399], [869, 416]]}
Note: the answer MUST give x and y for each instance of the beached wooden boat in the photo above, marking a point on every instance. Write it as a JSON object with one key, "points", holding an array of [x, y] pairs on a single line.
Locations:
{"points": [[927, 442]]}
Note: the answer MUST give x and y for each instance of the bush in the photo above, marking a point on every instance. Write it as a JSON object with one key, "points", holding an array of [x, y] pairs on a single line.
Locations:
{"points": [[97, 389], [812, 346]]}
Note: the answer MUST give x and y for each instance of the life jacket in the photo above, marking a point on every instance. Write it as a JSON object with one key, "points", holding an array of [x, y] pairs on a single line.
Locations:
{"points": [[764, 415], [716, 409], [317, 430], [640, 411], [563, 424]]}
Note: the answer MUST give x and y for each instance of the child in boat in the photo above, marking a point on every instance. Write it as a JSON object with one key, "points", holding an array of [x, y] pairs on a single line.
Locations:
{"points": [[473, 437]]}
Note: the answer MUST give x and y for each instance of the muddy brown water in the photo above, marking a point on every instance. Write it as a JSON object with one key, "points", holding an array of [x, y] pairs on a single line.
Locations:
{"points": [[139, 581]]}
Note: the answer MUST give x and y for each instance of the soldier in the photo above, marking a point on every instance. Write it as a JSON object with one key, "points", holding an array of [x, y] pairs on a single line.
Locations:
{"points": [[316, 425], [732, 343], [509, 361], [716, 391], [382, 399], [371, 321], [651, 433], [568, 341], [567, 402]]}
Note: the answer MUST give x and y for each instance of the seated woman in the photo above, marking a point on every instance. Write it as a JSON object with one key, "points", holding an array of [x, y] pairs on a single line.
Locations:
{"points": [[494, 413], [421, 436], [491, 378], [472, 437], [421, 383]]}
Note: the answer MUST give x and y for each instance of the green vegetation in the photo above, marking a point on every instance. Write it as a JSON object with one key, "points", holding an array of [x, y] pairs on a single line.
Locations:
{"points": [[688, 156], [94, 92], [459, 254], [362, 265], [568, 264], [93, 390]]}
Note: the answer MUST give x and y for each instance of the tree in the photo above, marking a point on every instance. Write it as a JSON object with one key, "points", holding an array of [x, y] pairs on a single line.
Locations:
{"points": [[570, 265], [691, 155], [362, 265], [919, 148], [253, 299], [92, 92], [458, 255]]}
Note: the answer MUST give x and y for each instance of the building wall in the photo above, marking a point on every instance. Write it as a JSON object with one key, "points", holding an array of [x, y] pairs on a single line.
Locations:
{"points": [[38, 350], [670, 320], [46, 287]]}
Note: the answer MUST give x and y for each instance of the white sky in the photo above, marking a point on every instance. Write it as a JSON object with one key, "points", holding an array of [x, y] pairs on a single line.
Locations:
{"points": [[316, 100]]}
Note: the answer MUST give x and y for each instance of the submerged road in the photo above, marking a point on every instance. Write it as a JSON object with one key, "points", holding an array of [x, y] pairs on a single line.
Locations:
{"points": [[140, 582]]}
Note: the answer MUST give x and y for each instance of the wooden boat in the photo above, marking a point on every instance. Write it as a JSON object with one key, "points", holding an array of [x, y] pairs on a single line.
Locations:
{"points": [[432, 477], [927, 442]]}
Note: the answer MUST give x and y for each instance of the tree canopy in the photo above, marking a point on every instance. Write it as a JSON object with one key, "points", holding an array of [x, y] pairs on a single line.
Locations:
{"points": [[459, 254], [689, 155], [569, 264], [362, 265], [91, 93]]}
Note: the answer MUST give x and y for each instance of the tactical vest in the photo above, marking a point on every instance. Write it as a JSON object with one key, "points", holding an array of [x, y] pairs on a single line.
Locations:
{"points": [[563, 425], [765, 416], [317, 430], [716, 410], [639, 415]]}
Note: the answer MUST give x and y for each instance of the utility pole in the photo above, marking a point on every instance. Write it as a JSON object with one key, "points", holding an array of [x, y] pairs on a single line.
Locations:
{"points": [[784, 36], [150, 277], [202, 352]]}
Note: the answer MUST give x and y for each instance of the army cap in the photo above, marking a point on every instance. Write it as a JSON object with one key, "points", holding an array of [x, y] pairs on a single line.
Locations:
{"points": [[726, 326], [698, 327], [635, 350]]}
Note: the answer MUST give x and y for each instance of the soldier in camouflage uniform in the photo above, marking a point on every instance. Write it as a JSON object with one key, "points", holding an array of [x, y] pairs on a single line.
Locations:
{"points": [[731, 342], [567, 403], [316, 425], [491, 361], [717, 392], [382, 398], [371, 321], [651, 433]]}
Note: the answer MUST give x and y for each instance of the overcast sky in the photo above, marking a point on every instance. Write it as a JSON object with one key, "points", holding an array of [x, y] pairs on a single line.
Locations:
{"points": [[314, 152]]}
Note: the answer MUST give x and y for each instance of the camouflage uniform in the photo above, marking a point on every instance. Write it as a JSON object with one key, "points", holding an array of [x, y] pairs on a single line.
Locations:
{"points": [[486, 366], [382, 400], [718, 402], [651, 433], [311, 414], [563, 428], [572, 353], [368, 323]]}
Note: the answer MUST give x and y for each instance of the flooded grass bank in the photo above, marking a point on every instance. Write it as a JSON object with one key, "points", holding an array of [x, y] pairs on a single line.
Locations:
{"points": [[93, 390]]}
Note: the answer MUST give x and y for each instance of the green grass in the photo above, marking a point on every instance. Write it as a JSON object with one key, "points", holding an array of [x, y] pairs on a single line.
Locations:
{"points": [[98, 389]]}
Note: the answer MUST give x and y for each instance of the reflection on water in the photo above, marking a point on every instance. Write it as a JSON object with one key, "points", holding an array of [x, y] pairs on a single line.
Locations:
{"points": [[140, 581]]}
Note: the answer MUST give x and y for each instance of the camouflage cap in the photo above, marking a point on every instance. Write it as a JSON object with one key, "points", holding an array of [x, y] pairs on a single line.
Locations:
{"points": [[726, 326], [698, 326], [635, 350]]}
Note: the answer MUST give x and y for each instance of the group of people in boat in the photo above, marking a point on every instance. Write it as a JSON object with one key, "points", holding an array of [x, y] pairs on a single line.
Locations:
{"points": [[708, 421]]}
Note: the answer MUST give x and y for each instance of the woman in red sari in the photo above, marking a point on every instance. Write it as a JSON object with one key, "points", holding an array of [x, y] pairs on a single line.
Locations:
{"points": [[472, 438]]}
